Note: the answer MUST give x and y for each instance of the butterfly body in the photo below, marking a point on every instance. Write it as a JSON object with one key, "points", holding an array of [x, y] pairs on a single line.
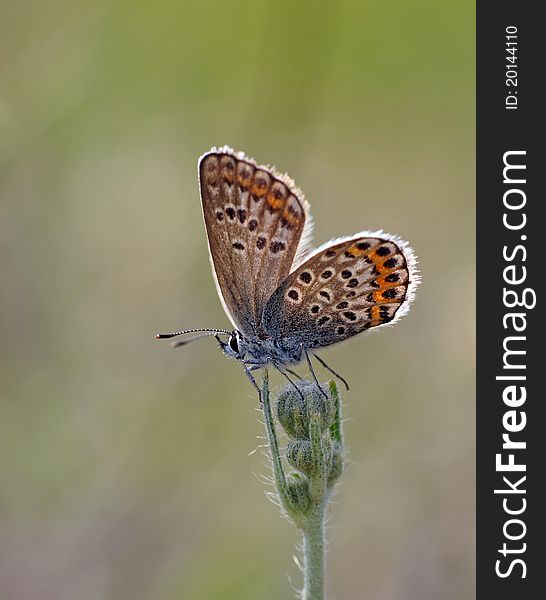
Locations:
{"points": [[284, 300], [260, 352]]}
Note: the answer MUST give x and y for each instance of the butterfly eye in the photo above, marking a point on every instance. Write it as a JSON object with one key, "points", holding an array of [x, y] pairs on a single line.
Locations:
{"points": [[234, 344]]}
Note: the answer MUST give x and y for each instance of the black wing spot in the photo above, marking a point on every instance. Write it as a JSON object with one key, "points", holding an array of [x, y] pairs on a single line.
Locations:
{"points": [[390, 263], [384, 314], [286, 224], [277, 247]]}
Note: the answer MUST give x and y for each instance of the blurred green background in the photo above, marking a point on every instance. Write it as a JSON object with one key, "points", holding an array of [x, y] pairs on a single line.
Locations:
{"points": [[124, 465]]}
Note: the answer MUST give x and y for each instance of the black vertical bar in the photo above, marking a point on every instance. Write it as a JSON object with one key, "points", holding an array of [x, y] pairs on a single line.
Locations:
{"points": [[511, 128]]}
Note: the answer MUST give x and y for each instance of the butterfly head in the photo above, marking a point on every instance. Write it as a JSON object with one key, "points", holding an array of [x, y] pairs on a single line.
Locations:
{"points": [[235, 347]]}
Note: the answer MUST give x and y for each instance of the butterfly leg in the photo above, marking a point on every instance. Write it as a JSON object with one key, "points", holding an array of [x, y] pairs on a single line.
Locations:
{"points": [[283, 373], [293, 373], [332, 371], [253, 380], [314, 376]]}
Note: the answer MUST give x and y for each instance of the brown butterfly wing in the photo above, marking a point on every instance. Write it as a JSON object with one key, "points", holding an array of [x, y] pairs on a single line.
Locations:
{"points": [[256, 224], [342, 289]]}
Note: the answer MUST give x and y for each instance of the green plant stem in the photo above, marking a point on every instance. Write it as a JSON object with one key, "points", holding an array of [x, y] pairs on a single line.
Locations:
{"points": [[278, 471], [313, 556], [313, 526]]}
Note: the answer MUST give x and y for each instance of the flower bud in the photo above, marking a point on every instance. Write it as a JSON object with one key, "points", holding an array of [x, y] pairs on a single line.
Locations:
{"points": [[321, 409], [292, 413], [298, 489], [298, 454], [295, 412]]}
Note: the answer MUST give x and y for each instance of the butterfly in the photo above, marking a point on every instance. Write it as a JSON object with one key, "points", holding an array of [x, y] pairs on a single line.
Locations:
{"points": [[284, 300]]}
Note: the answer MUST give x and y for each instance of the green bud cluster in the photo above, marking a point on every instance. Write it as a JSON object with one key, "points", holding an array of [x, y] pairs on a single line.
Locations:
{"points": [[311, 422]]}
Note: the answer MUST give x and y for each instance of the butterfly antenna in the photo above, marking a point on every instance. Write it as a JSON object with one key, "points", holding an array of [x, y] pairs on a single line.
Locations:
{"points": [[206, 331], [193, 338]]}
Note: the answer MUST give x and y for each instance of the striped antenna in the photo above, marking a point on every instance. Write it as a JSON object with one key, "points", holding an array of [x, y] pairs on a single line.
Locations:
{"points": [[199, 336], [206, 331]]}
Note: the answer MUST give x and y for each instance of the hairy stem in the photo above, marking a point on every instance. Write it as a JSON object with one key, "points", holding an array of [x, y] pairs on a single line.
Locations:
{"points": [[313, 526], [313, 556], [278, 471]]}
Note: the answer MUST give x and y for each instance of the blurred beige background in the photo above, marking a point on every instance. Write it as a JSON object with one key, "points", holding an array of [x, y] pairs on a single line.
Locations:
{"points": [[124, 465]]}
